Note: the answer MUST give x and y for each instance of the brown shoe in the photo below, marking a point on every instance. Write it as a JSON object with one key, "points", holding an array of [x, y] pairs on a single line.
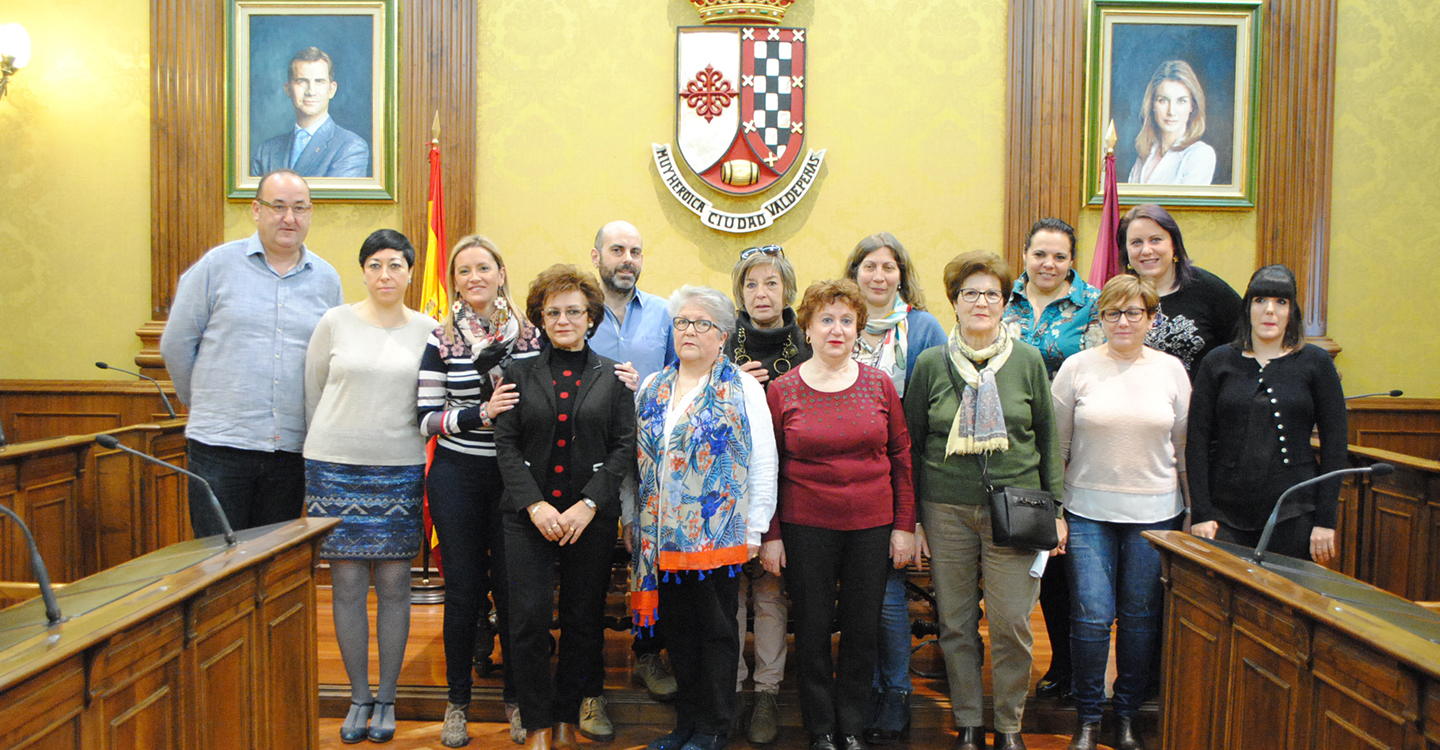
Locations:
{"points": [[563, 738], [1087, 736], [1009, 741], [539, 739]]}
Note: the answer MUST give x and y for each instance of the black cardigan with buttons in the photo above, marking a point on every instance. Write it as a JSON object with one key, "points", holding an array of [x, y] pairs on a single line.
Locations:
{"points": [[1249, 437]]}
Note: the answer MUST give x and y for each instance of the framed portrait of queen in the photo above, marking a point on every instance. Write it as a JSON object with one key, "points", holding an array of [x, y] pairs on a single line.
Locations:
{"points": [[1179, 80]]}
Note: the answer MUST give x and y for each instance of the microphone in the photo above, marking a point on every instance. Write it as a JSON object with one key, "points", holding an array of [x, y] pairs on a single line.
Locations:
{"points": [[37, 565], [163, 397], [1378, 470], [110, 442], [1397, 393]]}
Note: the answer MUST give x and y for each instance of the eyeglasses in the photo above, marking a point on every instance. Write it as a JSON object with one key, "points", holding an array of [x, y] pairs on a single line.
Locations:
{"points": [[1132, 314], [571, 313], [701, 326], [991, 296], [279, 209], [770, 250]]}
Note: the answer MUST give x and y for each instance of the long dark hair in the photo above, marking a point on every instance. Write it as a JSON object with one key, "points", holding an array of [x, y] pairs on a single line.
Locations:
{"points": [[1275, 281], [1153, 212]]}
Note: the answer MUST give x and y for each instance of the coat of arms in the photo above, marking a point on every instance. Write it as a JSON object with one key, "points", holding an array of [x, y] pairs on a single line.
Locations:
{"points": [[740, 111]]}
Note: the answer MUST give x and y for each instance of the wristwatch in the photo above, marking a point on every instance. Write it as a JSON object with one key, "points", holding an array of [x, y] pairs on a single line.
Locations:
{"points": [[588, 502]]}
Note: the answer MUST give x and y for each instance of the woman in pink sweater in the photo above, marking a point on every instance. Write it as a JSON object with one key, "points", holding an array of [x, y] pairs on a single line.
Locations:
{"points": [[1120, 410]]}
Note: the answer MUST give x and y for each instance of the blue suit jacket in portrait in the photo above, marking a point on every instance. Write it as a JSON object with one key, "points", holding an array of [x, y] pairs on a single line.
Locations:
{"points": [[332, 152]]}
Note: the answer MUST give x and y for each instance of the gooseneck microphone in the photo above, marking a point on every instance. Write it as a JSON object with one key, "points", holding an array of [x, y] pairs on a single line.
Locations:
{"points": [[37, 566], [163, 397], [1397, 393], [110, 442], [1378, 470]]}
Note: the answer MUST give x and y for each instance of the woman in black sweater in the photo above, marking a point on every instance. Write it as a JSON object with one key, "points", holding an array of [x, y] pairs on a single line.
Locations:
{"points": [[1252, 410], [1198, 310]]}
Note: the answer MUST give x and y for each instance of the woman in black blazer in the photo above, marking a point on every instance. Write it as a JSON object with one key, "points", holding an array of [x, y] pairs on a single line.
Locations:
{"points": [[562, 504]]}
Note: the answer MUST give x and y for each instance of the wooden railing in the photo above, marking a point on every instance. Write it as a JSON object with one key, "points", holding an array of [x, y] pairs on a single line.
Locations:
{"points": [[33, 410], [91, 508]]}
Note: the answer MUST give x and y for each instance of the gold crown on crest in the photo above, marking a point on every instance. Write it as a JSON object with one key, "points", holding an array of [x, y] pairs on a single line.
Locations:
{"points": [[748, 12]]}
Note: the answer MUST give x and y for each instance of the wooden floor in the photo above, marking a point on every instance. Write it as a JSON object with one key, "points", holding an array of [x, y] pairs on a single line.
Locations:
{"points": [[638, 719], [425, 735]]}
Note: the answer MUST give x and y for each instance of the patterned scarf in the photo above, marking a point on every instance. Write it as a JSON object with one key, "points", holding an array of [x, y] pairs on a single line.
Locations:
{"points": [[979, 425], [888, 356], [490, 341], [692, 493]]}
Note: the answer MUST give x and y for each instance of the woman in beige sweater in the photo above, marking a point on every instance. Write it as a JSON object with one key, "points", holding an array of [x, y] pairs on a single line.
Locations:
{"points": [[1120, 410]]}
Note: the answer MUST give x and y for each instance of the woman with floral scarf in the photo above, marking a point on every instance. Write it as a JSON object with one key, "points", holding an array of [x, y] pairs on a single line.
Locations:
{"points": [[707, 490], [460, 396], [897, 329]]}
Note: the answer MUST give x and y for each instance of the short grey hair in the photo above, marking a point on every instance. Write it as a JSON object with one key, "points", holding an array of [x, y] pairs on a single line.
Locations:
{"points": [[709, 299]]}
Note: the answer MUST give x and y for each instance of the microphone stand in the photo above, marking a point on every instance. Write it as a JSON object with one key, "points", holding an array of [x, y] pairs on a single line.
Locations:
{"points": [[1397, 393], [110, 442], [1378, 470], [37, 566], [163, 397]]}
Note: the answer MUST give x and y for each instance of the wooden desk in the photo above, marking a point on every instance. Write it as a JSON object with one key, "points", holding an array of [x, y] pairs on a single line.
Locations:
{"points": [[1389, 526], [1254, 660], [192, 646]]}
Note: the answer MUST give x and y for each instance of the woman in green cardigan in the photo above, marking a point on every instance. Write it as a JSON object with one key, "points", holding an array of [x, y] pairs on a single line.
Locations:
{"points": [[1001, 415]]}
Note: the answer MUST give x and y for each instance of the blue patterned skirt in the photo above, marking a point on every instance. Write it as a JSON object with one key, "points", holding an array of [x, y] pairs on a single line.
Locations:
{"points": [[379, 508]]}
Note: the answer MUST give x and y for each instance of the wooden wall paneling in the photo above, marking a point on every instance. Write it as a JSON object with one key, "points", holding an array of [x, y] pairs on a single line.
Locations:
{"points": [[45, 711], [49, 494], [1196, 656], [438, 73], [187, 152], [44, 409], [1297, 105], [115, 506], [1347, 532], [222, 635], [1430, 729], [1268, 656], [1397, 533], [136, 684], [1362, 698], [30, 426], [1046, 104], [289, 674], [167, 514]]}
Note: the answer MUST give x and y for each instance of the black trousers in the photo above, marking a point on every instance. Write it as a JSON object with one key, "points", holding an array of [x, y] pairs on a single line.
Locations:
{"points": [[1055, 606], [464, 493], [530, 562], [835, 575], [1291, 536], [697, 617], [255, 488]]}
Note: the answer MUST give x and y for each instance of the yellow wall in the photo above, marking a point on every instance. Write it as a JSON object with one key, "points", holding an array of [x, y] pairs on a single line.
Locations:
{"points": [[75, 164], [908, 96], [573, 94]]}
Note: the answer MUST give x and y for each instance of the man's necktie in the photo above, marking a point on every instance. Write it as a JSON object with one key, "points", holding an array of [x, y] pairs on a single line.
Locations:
{"points": [[302, 139]]}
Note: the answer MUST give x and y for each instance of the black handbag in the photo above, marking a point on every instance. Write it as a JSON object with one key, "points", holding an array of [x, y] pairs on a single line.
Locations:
{"points": [[1019, 516]]}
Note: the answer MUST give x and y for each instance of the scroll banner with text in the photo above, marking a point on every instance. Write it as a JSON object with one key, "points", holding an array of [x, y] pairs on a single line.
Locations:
{"points": [[725, 221]]}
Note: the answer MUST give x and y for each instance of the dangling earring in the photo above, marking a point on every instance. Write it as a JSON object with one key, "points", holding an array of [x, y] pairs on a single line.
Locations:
{"points": [[458, 306], [500, 303]]}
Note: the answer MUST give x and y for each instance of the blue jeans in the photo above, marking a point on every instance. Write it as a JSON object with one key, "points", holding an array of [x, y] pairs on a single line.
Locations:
{"points": [[1115, 578], [892, 663]]}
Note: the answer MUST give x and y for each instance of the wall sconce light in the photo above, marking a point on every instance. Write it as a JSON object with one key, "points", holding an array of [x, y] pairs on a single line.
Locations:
{"points": [[14, 52]]}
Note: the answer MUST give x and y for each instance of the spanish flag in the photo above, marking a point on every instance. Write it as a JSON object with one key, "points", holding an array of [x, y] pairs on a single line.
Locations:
{"points": [[433, 298]]}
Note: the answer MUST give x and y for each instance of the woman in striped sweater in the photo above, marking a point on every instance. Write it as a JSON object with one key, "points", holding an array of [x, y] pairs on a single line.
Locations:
{"points": [[460, 395]]}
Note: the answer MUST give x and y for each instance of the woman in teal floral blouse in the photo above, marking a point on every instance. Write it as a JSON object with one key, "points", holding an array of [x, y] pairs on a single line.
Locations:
{"points": [[1064, 324]]}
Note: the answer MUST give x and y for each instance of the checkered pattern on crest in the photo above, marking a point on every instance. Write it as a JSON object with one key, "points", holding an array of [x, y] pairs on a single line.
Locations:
{"points": [[771, 94]]}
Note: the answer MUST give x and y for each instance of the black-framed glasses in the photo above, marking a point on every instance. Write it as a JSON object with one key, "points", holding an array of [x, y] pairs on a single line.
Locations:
{"points": [[701, 326], [570, 313], [279, 209], [990, 295], [1132, 314], [770, 250]]}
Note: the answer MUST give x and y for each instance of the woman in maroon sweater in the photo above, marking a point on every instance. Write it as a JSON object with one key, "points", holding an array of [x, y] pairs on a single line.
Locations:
{"points": [[846, 503]]}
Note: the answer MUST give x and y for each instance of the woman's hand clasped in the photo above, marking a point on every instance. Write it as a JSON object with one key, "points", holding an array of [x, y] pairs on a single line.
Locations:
{"points": [[772, 556], [1205, 530], [1322, 545], [1063, 531], [502, 400], [902, 548], [756, 370], [563, 528]]}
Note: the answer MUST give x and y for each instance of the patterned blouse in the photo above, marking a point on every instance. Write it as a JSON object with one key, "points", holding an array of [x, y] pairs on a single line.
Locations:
{"points": [[1065, 327]]}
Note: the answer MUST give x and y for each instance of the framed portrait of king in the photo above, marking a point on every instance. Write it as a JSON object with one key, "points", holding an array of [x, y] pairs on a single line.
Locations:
{"points": [[312, 89], [1179, 80]]}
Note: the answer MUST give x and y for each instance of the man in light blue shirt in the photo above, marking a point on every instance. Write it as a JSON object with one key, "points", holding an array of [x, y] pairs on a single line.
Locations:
{"points": [[316, 146], [235, 347], [636, 329]]}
